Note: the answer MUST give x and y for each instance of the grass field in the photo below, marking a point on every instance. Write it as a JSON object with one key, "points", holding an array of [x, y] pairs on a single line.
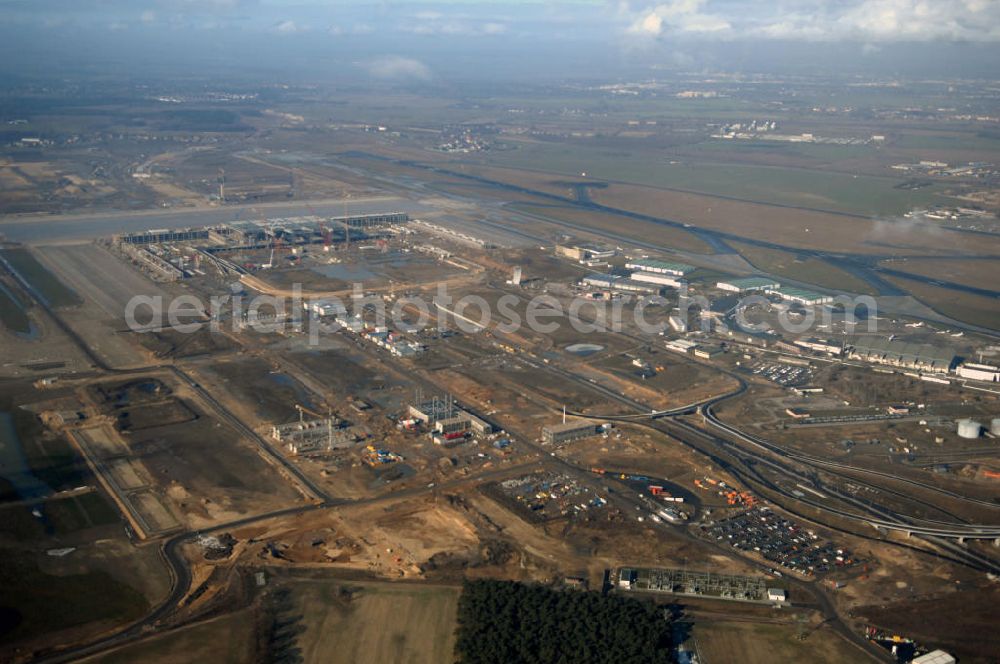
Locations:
{"points": [[968, 308], [225, 640], [377, 623], [822, 190], [54, 291], [754, 643], [810, 270], [970, 272]]}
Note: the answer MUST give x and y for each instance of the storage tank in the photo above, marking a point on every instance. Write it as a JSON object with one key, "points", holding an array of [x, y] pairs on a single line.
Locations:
{"points": [[995, 426], [969, 428]]}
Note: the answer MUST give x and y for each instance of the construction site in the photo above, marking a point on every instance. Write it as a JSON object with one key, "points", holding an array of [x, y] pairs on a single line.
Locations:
{"points": [[342, 429]]}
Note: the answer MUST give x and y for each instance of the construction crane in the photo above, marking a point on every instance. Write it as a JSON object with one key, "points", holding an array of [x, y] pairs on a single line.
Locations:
{"points": [[324, 228], [270, 261], [302, 410]]}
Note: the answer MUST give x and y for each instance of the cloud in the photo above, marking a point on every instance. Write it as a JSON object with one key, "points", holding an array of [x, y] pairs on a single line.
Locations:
{"points": [[684, 16], [398, 68], [433, 23], [867, 21], [287, 27], [148, 16]]}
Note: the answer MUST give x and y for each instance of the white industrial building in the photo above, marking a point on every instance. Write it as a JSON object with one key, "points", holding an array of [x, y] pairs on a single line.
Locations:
{"points": [[656, 278], [326, 308], [934, 657], [681, 345], [820, 346], [617, 283], [799, 295], [747, 285], [896, 353], [600, 280], [626, 577], [984, 372], [659, 267], [776, 595]]}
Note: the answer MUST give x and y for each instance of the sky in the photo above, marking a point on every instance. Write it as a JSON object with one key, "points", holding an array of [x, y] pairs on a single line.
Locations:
{"points": [[416, 39]]}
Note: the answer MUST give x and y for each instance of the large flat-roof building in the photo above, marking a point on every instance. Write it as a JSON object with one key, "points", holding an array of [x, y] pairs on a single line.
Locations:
{"points": [[934, 657], [895, 353], [799, 295], [565, 432], [657, 278], [659, 267], [585, 251], [984, 372], [618, 283], [747, 284]]}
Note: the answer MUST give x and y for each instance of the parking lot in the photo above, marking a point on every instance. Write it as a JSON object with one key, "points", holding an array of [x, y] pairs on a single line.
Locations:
{"points": [[781, 541], [785, 375], [544, 496]]}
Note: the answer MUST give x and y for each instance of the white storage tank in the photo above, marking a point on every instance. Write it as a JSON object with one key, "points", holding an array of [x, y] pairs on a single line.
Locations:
{"points": [[969, 428], [995, 426]]}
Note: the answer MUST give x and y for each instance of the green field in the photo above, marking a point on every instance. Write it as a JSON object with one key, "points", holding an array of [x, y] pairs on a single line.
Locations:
{"points": [[55, 292], [814, 189], [951, 141]]}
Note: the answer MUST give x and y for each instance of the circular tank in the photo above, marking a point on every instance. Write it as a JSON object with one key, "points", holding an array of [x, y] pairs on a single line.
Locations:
{"points": [[969, 428], [995, 426]]}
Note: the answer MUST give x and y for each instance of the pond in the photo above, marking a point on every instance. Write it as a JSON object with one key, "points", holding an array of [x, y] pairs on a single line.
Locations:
{"points": [[583, 350]]}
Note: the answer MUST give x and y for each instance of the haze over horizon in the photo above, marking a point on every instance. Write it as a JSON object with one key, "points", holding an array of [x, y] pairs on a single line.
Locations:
{"points": [[527, 40]]}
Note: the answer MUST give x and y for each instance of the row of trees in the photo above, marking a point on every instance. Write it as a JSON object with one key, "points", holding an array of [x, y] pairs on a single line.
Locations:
{"points": [[508, 622]]}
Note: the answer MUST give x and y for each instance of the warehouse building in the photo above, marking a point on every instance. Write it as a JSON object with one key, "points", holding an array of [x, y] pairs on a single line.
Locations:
{"points": [[326, 308], [821, 346], [799, 295], [747, 285], [569, 431], [601, 280], [708, 352], [921, 357], [659, 279], [586, 251], [934, 657], [659, 267], [620, 284], [984, 372]]}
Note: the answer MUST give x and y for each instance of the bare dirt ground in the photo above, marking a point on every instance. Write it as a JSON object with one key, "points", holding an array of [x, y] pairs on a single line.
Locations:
{"points": [[391, 540], [106, 285]]}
